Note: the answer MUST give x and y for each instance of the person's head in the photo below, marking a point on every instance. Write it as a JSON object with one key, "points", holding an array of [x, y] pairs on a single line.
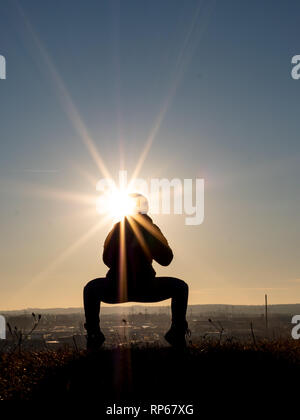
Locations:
{"points": [[141, 205]]}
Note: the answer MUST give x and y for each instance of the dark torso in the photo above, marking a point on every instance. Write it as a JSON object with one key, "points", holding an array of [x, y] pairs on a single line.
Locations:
{"points": [[129, 251]]}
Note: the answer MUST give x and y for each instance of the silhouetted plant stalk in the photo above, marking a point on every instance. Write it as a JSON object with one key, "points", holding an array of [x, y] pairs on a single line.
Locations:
{"points": [[19, 336], [252, 333], [75, 344], [124, 321], [219, 328]]}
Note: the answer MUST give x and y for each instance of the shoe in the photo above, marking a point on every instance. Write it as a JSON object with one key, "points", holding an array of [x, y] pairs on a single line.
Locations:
{"points": [[94, 339], [176, 335]]}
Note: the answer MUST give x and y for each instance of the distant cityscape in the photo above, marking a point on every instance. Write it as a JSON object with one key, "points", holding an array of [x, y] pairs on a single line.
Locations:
{"points": [[38, 329]]}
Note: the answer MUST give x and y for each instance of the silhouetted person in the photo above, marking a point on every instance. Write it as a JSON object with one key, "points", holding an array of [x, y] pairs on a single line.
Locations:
{"points": [[129, 250]]}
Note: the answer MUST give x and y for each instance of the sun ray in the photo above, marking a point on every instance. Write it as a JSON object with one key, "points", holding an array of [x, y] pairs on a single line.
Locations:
{"points": [[122, 264], [52, 193], [63, 256], [139, 236], [183, 59], [65, 98], [149, 226]]}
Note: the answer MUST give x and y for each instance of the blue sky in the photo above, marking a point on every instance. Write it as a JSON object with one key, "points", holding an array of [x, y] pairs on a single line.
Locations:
{"points": [[221, 72]]}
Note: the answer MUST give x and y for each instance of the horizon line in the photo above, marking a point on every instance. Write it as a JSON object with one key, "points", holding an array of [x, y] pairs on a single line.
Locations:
{"points": [[30, 309]]}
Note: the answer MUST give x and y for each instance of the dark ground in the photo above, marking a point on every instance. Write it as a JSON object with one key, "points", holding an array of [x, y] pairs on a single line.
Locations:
{"points": [[209, 376]]}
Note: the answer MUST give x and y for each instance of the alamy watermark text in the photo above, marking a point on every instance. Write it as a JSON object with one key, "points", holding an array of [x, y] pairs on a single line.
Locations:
{"points": [[2, 67], [175, 196]]}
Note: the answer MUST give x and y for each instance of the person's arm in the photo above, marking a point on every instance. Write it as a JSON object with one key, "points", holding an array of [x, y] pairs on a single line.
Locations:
{"points": [[111, 246], [159, 247]]}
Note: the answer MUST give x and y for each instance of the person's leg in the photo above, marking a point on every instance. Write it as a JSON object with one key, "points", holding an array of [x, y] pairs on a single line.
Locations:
{"points": [[154, 290], [161, 288], [94, 292]]}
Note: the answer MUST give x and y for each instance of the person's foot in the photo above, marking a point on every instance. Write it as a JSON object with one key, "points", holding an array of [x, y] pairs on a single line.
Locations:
{"points": [[176, 335], [94, 339]]}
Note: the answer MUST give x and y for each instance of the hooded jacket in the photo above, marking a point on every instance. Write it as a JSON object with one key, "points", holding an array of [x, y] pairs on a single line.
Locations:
{"points": [[130, 248]]}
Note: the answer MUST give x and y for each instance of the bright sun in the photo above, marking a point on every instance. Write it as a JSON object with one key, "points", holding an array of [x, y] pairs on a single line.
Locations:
{"points": [[116, 204]]}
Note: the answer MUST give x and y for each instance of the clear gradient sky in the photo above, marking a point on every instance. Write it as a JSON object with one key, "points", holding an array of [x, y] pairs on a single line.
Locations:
{"points": [[213, 79]]}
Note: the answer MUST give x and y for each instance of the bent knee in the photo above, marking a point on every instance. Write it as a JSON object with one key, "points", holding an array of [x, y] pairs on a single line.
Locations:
{"points": [[90, 286], [87, 288], [182, 285]]}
